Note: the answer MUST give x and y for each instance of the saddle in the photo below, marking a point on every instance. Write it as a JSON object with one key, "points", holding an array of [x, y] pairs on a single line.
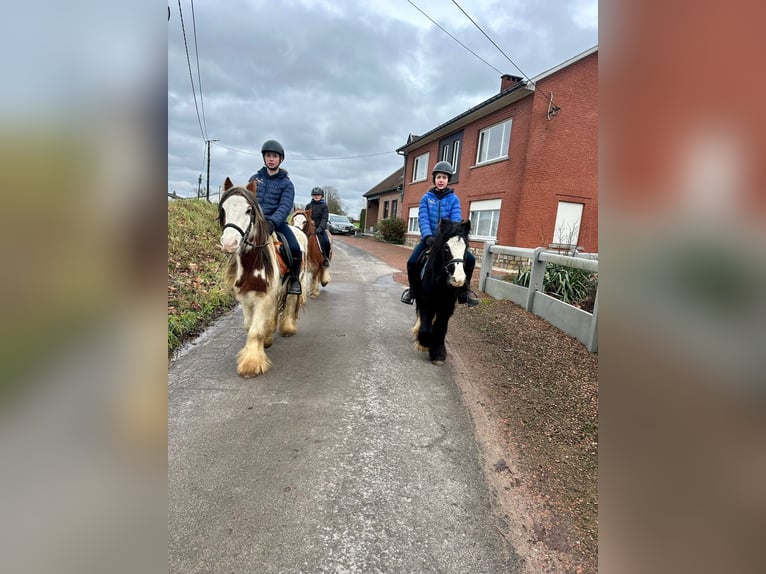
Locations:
{"points": [[284, 255]]}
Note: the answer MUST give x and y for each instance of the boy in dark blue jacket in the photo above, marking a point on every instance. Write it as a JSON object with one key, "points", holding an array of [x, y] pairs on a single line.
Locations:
{"points": [[275, 194], [439, 202]]}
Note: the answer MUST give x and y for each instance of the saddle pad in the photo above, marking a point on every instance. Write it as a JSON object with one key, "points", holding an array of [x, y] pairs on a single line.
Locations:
{"points": [[283, 268]]}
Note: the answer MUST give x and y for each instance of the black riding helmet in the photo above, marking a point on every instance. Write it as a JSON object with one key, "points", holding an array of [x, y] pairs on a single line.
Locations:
{"points": [[442, 167], [317, 191], [273, 146]]}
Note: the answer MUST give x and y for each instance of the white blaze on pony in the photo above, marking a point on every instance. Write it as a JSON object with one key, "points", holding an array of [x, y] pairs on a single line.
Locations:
{"points": [[237, 212], [456, 246], [254, 275]]}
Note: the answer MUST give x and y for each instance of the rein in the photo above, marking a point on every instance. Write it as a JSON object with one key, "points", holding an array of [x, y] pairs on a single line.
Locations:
{"points": [[453, 261]]}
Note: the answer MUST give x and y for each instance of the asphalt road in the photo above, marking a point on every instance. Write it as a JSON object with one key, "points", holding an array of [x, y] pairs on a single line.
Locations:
{"points": [[353, 454]]}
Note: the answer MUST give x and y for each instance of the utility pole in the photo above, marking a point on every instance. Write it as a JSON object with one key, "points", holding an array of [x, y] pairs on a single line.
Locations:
{"points": [[199, 187], [208, 169]]}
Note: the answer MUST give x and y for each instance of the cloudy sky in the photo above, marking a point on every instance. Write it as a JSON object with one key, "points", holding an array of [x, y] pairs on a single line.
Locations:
{"points": [[342, 83]]}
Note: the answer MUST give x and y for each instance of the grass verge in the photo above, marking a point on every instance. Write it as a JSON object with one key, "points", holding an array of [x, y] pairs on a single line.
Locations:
{"points": [[196, 294]]}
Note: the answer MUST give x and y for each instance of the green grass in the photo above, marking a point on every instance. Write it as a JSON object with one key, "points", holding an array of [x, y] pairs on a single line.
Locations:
{"points": [[196, 265]]}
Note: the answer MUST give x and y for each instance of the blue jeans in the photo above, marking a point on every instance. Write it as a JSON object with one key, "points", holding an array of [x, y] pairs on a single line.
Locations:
{"points": [[324, 242], [292, 243]]}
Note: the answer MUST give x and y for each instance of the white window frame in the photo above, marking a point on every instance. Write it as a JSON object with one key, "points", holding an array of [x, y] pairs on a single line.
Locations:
{"points": [[420, 168], [488, 136], [412, 221], [490, 206], [566, 231]]}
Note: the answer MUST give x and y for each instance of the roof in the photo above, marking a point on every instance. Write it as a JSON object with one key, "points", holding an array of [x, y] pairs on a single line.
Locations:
{"points": [[391, 183], [511, 94]]}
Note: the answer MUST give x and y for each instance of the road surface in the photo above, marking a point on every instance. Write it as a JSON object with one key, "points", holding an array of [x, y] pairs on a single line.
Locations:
{"points": [[353, 454]]}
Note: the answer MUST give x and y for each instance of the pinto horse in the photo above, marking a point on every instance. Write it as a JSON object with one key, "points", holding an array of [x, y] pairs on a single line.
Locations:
{"points": [[256, 275], [314, 259], [442, 275]]}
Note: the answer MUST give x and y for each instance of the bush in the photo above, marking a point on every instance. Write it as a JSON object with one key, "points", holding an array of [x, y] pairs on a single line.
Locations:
{"points": [[574, 286], [392, 230]]}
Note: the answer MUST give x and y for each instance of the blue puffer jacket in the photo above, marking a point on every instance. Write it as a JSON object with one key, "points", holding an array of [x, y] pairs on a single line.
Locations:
{"points": [[275, 194], [435, 207]]}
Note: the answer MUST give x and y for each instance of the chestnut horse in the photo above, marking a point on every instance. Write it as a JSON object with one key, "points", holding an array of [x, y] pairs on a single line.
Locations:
{"points": [[441, 278], [319, 275], [254, 274]]}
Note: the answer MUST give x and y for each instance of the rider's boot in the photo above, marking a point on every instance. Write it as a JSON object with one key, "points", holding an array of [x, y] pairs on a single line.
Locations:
{"points": [[408, 296], [294, 280]]}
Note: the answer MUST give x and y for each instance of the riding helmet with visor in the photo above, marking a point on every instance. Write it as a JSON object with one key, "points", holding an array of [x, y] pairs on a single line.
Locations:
{"points": [[442, 167], [273, 146]]}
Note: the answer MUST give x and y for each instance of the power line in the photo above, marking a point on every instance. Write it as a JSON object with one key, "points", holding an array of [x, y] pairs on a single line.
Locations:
{"points": [[456, 40], [292, 158], [507, 57], [199, 77], [191, 77]]}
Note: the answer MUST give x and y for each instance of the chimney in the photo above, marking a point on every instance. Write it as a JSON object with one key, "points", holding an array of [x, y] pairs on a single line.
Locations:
{"points": [[507, 80]]}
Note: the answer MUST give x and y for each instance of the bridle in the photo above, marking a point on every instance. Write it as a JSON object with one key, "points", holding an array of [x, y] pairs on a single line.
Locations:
{"points": [[246, 232], [453, 261]]}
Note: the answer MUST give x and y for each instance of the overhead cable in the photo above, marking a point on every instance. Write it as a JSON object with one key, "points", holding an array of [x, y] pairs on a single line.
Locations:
{"points": [[453, 37]]}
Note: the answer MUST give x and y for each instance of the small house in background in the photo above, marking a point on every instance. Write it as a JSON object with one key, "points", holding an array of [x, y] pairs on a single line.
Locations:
{"points": [[384, 200], [525, 161]]}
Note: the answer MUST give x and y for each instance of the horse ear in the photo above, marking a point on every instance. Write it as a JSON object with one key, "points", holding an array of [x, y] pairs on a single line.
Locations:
{"points": [[227, 184], [252, 187]]}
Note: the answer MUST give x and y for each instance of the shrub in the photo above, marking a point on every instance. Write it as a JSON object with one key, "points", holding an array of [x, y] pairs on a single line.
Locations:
{"points": [[574, 286], [392, 230]]}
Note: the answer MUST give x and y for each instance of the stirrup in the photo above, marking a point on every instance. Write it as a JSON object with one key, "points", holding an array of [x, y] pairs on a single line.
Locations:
{"points": [[407, 297], [294, 287], [471, 299], [326, 263]]}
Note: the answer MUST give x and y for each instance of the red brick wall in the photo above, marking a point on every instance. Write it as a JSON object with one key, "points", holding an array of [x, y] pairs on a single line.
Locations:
{"points": [[549, 161], [562, 159]]}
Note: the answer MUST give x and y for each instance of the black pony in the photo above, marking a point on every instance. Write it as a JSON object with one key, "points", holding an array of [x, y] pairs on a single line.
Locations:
{"points": [[441, 279]]}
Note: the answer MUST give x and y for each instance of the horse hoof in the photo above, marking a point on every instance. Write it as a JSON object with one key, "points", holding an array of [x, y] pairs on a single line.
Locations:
{"points": [[438, 362], [314, 296]]}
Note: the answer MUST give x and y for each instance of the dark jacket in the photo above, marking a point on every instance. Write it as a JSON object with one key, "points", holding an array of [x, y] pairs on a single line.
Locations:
{"points": [[275, 194], [437, 206], [319, 214]]}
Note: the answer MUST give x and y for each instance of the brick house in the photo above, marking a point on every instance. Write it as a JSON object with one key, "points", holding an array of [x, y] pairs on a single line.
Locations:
{"points": [[384, 200], [526, 167]]}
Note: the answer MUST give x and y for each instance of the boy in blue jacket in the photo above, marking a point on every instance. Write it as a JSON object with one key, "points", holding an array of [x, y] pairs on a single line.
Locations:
{"points": [[439, 202], [275, 194]]}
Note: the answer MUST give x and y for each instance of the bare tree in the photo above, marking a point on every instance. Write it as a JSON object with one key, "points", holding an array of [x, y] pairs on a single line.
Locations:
{"points": [[331, 197]]}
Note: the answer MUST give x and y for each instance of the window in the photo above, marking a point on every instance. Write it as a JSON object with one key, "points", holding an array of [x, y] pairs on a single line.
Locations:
{"points": [[420, 168], [385, 210], [393, 207], [494, 142], [567, 229], [412, 221], [484, 216], [449, 150]]}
